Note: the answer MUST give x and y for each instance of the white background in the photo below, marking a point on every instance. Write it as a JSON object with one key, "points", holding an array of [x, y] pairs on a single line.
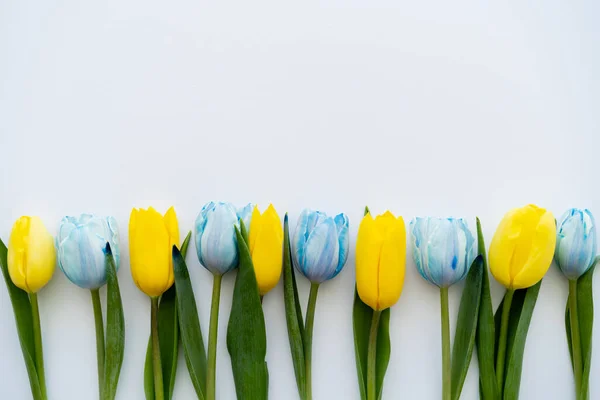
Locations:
{"points": [[453, 108]]}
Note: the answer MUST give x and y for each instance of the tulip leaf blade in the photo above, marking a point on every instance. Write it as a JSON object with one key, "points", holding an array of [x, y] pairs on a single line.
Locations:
{"points": [[22, 311], [485, 336], [189, 325], [115, 329], [149, 372], [246, 332], [568, 332], [293, 312], [585, 305], [466, 327], [384, 349], [517, 338]]}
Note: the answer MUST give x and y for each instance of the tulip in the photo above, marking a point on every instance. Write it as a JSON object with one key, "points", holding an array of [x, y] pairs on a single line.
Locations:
{"points": [[151, 240], [216, 242], [522, 247], [380, 260], [443, 249], [576, 243], [266, 247], [31, 255], [320, 245], [81, 242]]}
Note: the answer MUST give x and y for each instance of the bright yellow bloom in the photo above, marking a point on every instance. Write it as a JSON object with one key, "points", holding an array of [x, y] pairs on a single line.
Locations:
{"points": [[151, 241], [380, 260], [31, 254], [523, 246], [266, 247]]}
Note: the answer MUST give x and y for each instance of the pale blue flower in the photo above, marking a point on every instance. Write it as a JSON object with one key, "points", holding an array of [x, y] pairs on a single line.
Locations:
{"points": [[443, 249], [320, 245], [216, 243], [575, 242], [81, 243]]}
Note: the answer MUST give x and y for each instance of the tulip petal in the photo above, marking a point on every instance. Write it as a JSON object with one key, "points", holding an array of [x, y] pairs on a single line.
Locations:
{"points": [[245, 214], [392, 265], [503, 246], [255, 227], [40, 255], [341, 221], [299, 240], [368, 248], [219, 248], [322, 251], [267, 249]]}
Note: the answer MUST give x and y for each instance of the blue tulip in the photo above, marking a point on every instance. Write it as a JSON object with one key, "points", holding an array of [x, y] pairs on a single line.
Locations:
{"points": [[320, 245], [575, 242], [216, 243], [80, 244], [443, 249]]}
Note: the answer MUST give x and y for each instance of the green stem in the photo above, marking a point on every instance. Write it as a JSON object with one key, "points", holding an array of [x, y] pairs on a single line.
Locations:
{"points": [[310, 320], [159, 391], [500, 360], [212, 339], [99, 338], [371, 357], [37, 341], [446, 372], [575, 337]]}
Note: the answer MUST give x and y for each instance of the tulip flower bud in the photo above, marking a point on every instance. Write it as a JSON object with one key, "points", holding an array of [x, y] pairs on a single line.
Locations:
{"points": [[151, 240], [216, 242], [522, 247], [320, 245], [575, 242], [31, 255], [443, 249], [81, 243], [266, 248], [380, 260]]}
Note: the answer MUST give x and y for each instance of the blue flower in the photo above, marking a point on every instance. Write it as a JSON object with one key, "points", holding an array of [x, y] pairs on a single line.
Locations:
{"points": [[320, 245], [575, 242], [216, 243], [443, 249], [80, 244]]}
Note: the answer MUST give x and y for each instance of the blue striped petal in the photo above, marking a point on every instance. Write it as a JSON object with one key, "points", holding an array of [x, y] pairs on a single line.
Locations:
{"points": [[576, 244]]}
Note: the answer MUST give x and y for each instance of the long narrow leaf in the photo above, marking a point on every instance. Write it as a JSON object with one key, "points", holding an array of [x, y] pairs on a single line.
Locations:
{"points": [[466, 327], [293, 313], [585, 305], [246, 333], [22, 311], [486, 331], [362, 315], [516, 348], [384, 349], [115, 329], [189, 325]]}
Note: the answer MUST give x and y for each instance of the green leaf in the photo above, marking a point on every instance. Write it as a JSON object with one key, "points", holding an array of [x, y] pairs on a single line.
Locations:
{"points": [[585, 304], [384, 348], [168, 336], [466, 327], [189, 325], [246, 333], [486, 332], [517, 336], [293, 312], [22, 310], [115, 329]]}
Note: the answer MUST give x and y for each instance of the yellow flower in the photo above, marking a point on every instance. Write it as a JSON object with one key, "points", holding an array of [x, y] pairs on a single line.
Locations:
{"points": [[523, 246], [31, 254], [266, 247], [380, 260], [151, 241]]}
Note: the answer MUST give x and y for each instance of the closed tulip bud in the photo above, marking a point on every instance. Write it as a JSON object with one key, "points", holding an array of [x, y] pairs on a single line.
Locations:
{"points": [[266, 247], [81, 243], [320, 245], [380, 260], [31, 255], [576, 242], [151, 240], [216, 242], [443, 249], [522, 247]]}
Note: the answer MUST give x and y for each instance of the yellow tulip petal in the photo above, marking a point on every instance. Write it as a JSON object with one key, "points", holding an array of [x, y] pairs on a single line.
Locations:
{"points": [[368, 248], [527, 218], [267, 256], [255, 225], [172, 225], [392, 264], [40, 255], [503, 246], [16, 257], [541, 253]]}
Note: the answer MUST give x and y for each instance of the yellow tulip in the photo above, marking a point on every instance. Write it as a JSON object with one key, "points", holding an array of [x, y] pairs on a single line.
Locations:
{"points": [[151, 241], [31, 254], [266, 247], [380, 260], [523, 246]]}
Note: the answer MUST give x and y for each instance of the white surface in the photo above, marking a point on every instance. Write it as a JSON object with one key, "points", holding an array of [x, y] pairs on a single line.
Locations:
{"points": [[454, 108]]}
